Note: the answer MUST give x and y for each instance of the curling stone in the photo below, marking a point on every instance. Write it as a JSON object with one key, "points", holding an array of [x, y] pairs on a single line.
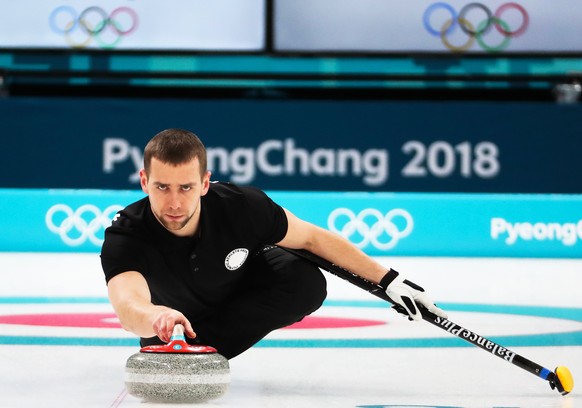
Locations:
{"points": [[177, 372]]}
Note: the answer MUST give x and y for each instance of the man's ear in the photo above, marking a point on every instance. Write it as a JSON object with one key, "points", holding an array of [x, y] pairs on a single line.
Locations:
{"points": [[143, 180], [205, 183]]}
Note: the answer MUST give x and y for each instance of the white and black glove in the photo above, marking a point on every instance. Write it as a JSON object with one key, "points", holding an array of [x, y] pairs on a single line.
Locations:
{"points": [[408, 295]]}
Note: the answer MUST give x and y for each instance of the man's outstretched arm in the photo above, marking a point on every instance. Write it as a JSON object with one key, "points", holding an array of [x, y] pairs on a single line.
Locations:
{"points": [[130, 297]]}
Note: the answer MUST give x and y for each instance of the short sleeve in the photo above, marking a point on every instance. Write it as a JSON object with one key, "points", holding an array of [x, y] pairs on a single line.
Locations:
{"points": [[269, 219], [120, 253]]}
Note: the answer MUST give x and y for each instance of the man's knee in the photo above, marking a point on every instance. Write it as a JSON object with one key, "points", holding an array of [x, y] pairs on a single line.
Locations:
{"points": [[299, 284], [309, 284]]}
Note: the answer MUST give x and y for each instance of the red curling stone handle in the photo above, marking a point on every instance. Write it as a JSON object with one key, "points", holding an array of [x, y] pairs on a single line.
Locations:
{"points": [[178, 344]]}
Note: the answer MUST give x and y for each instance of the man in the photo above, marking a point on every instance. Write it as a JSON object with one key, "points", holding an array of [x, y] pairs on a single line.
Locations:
{"points": [[201, 254]]}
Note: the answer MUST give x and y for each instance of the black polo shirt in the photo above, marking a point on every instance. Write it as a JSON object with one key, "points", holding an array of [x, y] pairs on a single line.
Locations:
{"points": [[194, 275]]}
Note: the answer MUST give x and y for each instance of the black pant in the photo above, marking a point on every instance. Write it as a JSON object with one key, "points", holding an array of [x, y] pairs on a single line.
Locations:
{"points": [[279, 290]]}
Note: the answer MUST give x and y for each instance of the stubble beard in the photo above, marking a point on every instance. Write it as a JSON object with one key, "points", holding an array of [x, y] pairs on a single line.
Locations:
{"points": [[174, 225]]}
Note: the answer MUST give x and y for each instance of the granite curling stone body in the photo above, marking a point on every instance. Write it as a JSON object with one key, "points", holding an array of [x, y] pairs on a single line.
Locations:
{"points": [[177, 372]]}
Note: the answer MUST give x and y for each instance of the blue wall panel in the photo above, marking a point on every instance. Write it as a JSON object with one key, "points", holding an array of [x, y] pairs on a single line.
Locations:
{"points": [[300, 145], [381, 224]]}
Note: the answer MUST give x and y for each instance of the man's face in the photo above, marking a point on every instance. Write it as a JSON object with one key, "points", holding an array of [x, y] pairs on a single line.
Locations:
{"points": [[174, 194]]}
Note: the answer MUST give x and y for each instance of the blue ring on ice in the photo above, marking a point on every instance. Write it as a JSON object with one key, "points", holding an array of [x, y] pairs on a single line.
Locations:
{"points": [[573, 338]]}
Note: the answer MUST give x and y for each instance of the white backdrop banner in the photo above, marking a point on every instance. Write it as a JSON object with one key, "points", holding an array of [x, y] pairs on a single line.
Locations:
{"points": [[428, 26], [217, 25]]}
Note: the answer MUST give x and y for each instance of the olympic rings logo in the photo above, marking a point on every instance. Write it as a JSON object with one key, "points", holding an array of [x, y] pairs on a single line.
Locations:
{"points": [[80, 225], [93, 23], [371, 226], [475, 31]]}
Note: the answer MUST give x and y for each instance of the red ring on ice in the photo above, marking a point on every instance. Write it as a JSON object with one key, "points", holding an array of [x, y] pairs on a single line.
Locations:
{"points": [[109, 320]]}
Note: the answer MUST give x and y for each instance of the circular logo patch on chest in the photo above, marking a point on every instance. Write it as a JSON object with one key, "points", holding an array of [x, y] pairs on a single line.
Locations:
{"points": [[236, 258]]}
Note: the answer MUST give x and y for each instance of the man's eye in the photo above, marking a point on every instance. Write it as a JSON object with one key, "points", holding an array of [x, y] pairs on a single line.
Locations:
{"points": [[186, 188], [163, 188]]}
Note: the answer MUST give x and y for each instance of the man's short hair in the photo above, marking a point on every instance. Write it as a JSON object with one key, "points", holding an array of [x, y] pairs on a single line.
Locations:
{"points": [[175, 147]]}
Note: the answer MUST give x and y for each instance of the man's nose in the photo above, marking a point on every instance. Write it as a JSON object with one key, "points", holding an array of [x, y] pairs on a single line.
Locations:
{"points": [[175, 201]]}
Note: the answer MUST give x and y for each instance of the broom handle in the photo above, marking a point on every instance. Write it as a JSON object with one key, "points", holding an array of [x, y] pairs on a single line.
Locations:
{"points": [[441, 323]]}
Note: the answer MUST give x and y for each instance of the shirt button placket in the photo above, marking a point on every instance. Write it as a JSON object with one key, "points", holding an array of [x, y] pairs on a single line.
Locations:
{"points": [[192, 263]]}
